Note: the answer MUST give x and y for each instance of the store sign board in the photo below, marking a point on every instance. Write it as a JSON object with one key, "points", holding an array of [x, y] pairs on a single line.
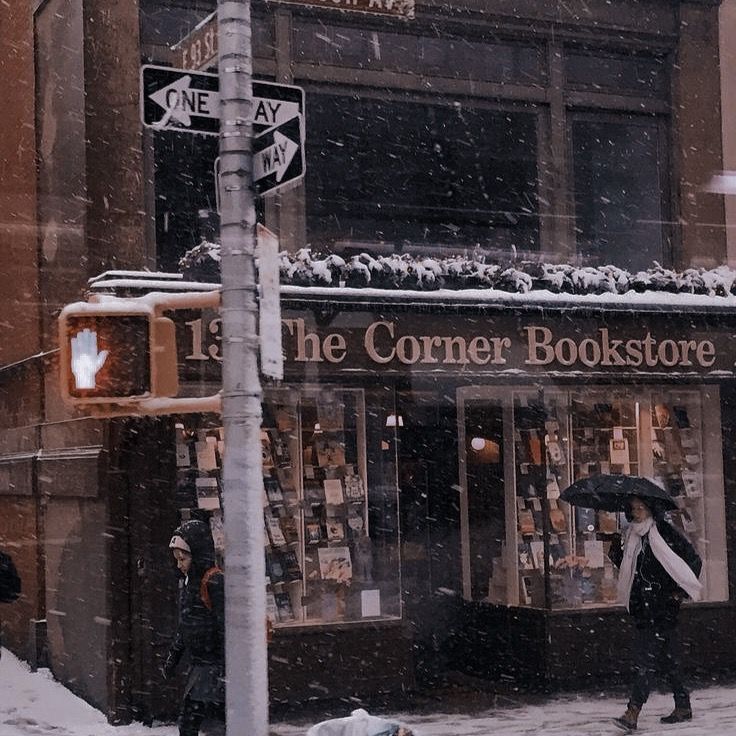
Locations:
{"points": [[394, 8], [503, 343]]}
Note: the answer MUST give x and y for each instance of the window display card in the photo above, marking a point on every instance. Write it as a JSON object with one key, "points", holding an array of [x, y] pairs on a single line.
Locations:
{"points": [[692, 484], [354, 487], [217, 528], [207, 494], [273, 490], [290, 561], [593, 551], [526, 522], [289, 529], [555, 452], [335, 531], [182, 455], [688, 523], [333, 492], [274, 531], [619, 451], [266, 455], [329, 452], [370, 603], [274, 568], [206, 458], [607, 522], [283, 606], [271, 611], [335, 564], [537, 550], [526, 561], [356, 523], [557, 518], [313, 531]]}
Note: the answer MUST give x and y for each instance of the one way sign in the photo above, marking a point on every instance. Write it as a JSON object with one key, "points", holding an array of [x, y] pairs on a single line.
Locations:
{"points": [[189, 101], [180, 99], [278, 156]]}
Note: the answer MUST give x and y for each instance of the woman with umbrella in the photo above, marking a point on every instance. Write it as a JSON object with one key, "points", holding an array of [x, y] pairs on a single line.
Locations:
{"points": [[658, 569]]}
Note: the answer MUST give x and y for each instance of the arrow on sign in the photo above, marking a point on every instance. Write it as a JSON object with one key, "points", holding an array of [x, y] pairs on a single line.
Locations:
{"points": [[181, 102], [274, 159]]}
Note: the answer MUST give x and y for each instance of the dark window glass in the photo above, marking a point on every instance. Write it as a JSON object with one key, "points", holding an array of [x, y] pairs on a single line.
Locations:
{"points": [[641, 75], [440, 56], [410, 172], [618, 192]]}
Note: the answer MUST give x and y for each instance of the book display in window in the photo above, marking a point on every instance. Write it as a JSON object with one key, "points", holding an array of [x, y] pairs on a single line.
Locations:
{"points": [[338, 556], [677, 454], [318, 551], [530, 456], [198, 469], [282, 508], [605, 440]]}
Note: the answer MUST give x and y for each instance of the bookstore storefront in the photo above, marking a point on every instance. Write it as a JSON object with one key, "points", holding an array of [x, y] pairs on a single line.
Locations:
{"points": [[413, 460]]}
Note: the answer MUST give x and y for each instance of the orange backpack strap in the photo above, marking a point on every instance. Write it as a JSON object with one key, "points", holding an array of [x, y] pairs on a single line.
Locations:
{"points": [[204, 592]]}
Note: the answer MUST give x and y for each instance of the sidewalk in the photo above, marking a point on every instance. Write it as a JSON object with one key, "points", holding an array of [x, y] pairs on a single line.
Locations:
{"points": [[33, 704]]}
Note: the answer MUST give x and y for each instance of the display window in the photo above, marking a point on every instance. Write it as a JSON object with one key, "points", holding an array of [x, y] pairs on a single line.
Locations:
{"points": [[519, 449], [330, 516]]}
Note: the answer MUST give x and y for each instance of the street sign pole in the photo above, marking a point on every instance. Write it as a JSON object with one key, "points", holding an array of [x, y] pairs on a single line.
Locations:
{"points": [[245, 575]]}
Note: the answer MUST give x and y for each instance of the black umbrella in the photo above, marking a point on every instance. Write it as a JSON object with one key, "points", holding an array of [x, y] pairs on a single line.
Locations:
{"points": [[613, 492]]}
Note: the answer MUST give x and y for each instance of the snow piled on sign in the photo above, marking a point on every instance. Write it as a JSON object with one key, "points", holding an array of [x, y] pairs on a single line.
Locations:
{"points": [[405, 272]]}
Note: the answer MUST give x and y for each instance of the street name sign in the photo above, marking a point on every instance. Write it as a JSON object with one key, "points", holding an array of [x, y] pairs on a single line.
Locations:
{"points": [[198, 49]]}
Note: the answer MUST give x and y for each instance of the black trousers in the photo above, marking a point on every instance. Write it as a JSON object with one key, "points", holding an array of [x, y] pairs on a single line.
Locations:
{"points": [[657, 653], [194, 712]]}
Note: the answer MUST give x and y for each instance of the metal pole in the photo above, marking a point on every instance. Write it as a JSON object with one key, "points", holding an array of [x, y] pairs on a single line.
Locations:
{"points": [[245, 591]]}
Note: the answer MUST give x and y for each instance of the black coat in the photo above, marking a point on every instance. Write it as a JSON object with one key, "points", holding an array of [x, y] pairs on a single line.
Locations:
{"points": [[655, 597], [201, 630]]}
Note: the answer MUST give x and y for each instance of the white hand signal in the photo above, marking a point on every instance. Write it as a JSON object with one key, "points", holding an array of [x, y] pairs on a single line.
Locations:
{"points": [[86, 361]]}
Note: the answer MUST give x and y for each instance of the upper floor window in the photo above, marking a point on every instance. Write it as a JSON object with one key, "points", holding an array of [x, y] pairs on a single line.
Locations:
{"points": [[415, 173], [619, 188]]}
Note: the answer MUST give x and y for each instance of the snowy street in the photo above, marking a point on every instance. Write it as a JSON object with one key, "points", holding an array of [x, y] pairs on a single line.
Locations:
{"points": [[32, 704]]}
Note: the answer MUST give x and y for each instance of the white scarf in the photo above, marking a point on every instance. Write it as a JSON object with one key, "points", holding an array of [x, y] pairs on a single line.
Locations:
{"points": [[673, 564]]}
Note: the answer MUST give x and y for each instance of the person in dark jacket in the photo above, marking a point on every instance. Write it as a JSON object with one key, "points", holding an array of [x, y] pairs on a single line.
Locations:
{"points": [[201, 628], [658, 569]]}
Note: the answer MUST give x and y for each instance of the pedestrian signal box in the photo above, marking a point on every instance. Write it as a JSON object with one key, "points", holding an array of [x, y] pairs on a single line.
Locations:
{"points": [[115, 354]]}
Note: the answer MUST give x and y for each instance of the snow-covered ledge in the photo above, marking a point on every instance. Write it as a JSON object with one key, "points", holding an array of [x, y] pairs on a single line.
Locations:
{"points": [[459, 279]]}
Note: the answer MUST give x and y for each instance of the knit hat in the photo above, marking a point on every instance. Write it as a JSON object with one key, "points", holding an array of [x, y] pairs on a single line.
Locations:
{"points": [[178, 542], [195, 537]]}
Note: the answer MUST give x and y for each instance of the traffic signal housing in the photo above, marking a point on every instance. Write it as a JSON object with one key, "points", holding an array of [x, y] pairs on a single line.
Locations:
{"points": [[116, 355]]}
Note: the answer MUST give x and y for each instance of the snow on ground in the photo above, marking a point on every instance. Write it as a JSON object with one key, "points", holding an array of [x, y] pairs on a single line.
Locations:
{"points": [[33, 704]]}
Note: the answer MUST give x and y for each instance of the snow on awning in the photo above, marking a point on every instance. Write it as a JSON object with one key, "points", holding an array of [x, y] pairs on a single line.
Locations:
{"points": [[455, 280]]}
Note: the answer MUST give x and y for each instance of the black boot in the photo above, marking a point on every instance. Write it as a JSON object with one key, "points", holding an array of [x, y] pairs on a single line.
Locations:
{"points": [[678, 715]]}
